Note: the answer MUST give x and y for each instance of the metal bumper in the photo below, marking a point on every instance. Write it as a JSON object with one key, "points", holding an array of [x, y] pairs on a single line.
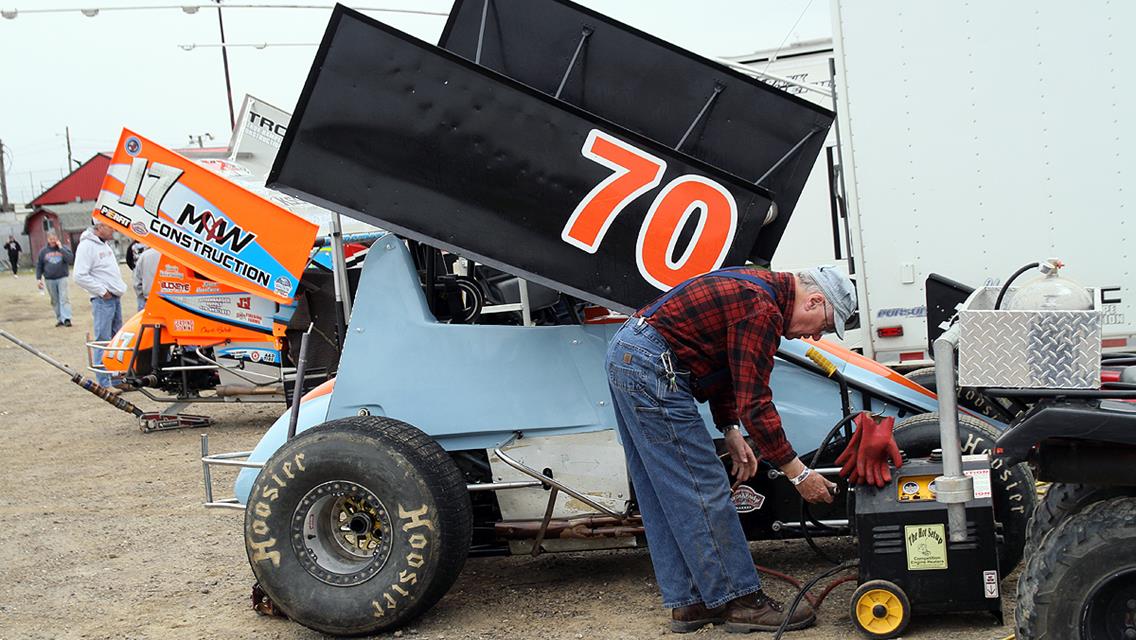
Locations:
{"points": [[235, 459]]}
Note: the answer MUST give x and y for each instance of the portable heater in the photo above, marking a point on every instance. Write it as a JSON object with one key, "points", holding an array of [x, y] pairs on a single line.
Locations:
{"points": [[908, 564]]}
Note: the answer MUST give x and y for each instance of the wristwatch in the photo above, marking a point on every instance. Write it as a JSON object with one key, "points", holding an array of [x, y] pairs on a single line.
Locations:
{"points": [[728, 428], [802, 477]]}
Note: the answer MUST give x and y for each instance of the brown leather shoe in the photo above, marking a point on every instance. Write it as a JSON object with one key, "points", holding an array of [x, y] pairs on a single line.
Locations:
{"points": [[759, 612], [695, 616]]}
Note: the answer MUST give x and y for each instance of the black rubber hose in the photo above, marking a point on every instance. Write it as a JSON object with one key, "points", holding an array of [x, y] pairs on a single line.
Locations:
{"points": [[805, 589], [1006, 286], [805, 515]]}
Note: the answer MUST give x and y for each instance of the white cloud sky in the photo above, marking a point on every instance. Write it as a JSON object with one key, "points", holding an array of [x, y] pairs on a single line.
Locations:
{"points": [[121, 68]]}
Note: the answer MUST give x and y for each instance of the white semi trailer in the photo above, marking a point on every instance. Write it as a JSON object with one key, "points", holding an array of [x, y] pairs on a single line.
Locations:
{"points": [[974, 139]]}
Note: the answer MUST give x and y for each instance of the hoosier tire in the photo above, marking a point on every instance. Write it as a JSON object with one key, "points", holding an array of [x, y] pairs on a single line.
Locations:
{"points": [[968, 398], [358, 525], [1081, 583], [1062, 500], [1012, 488]]}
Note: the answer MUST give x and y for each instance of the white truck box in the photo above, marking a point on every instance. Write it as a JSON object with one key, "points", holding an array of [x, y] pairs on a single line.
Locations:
{"points": [[976, 138]]}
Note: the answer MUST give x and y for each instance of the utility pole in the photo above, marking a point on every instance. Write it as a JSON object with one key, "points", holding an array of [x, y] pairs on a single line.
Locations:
{"points": [[225, 61], [68, 134], [4, 206]]}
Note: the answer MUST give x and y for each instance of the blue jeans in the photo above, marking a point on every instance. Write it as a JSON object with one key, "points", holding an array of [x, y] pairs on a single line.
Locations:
{"points": [[108, 320], [698, 549], [60, 302]]}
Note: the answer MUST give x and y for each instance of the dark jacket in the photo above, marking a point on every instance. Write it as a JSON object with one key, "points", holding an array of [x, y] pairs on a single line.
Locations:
{"points": [[52, 263], [13, 247]]}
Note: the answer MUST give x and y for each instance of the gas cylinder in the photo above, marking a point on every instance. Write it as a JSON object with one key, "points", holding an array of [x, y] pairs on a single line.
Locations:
{"points": [[1051, 292]]}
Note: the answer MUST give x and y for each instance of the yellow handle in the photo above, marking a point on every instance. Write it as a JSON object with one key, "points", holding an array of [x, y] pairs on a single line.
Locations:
{"points": [[824, 363]]}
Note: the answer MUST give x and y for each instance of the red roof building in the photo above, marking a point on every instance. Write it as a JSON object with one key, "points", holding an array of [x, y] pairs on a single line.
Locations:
{"points": [[65, 208]]}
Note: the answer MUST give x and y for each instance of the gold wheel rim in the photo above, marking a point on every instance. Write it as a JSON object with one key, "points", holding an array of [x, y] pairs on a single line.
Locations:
{"points": [[866, 611]]}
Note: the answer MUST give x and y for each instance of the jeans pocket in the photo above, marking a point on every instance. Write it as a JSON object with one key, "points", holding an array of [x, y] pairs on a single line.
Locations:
{"points": [[654, 424], [625, 378]]}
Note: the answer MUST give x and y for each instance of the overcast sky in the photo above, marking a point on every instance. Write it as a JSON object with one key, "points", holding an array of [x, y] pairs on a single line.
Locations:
{"points": [[122, 68]]}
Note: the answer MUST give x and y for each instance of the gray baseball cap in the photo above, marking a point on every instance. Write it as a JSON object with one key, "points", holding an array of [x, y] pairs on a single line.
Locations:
{"points": [[840, 293]]}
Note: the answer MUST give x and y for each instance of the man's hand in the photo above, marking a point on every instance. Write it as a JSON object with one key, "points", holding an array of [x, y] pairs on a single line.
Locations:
{"points": [[816, 488], [741, 455], [39, 284], [107, 296]]}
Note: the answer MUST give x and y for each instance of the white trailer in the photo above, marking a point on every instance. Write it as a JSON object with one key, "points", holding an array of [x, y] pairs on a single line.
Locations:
{"points": [[975, 139]]}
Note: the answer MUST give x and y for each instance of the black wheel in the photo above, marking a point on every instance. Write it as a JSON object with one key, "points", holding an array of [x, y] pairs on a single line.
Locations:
{"points": [[358, 525], [1013, 488], [1061, 500], [968, 398], [880, 609], [1081, 583]]}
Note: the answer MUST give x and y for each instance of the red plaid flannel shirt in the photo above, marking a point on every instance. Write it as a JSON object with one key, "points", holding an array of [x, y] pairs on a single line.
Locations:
{"points": [[720, 323]]}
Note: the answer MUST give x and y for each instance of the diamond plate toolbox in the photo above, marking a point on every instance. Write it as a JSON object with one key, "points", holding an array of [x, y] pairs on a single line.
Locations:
{"points": [[1028, 349]]}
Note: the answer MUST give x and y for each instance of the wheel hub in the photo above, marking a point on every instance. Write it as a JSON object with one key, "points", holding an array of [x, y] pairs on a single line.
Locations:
{"points": [[341, 533], [1110, 609]]}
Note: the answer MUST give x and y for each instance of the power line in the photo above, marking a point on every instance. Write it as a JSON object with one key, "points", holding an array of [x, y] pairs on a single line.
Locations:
{"points": [[91, 12]]}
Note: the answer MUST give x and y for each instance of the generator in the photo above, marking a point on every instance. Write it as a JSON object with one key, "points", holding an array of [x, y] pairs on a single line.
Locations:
{"points": [[908, 564]]}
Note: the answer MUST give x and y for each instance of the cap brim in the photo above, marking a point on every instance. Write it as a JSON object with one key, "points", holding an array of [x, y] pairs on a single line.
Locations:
{"points": [[838, 329]]}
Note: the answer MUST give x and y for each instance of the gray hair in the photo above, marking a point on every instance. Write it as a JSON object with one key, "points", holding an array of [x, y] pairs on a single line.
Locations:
{"points": [[808, 282]]}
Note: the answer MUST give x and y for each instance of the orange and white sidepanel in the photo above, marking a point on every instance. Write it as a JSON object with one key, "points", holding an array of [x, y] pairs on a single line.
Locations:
{"points": [[218, 229]]}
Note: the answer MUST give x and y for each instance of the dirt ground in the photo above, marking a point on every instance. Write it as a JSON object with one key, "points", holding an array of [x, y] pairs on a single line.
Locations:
{"points": [[103, 534]]}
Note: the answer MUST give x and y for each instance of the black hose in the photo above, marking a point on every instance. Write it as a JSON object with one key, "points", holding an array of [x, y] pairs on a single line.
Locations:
{"points": [[805, 515], [805, 589], [1006, 286]]}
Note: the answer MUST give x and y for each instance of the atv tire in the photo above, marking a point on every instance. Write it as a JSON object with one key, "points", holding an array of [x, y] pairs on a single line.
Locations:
{"points": [[1081, 583], [1013, 488], [1062, 500], [358, 525]]}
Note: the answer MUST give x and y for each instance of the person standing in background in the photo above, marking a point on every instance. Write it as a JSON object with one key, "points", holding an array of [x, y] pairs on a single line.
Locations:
{"points": [[133, 252], [97, 272], [145, 267], [51, 270], [13, 248]]}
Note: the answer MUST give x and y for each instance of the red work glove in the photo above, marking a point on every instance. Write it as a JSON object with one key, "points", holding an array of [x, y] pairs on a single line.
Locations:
{"points": [[847, 458], [877, 446]]}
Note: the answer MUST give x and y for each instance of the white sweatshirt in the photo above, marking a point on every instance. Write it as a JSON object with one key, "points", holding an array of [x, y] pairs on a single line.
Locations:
{"points": [[96, 268]]}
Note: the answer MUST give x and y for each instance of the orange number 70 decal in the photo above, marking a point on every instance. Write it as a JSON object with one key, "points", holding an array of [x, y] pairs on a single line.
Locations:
{"points": [[635, 172]]}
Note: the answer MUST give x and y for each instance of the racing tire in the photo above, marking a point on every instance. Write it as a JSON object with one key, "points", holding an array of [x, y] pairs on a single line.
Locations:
{"points": [[1013, 488], [358, 526], [968, 398], [1081, 583], [1060, 501]]}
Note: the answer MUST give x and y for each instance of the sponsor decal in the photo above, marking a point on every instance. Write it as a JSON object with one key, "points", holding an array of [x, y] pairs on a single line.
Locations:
{"points": [[116, 217], [140, 228], [254, 356], [183, 325], [903, 312], [132, 146], [746, 500], [261, 123], [174, 287], [926, 546], [282, 286]]}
